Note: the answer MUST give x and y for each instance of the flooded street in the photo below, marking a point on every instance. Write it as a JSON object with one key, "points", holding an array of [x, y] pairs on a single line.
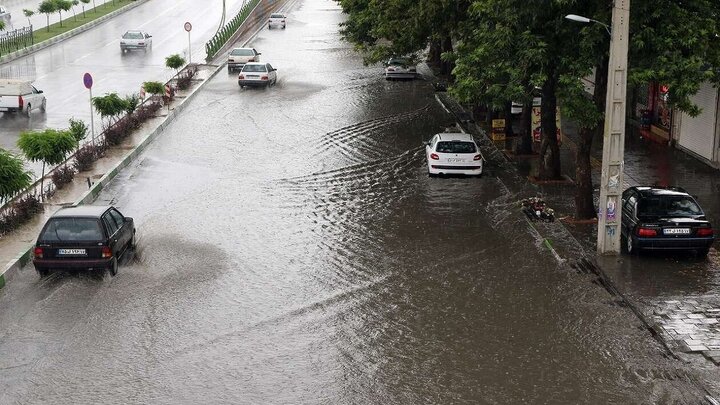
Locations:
{"points": [[293, 250]]}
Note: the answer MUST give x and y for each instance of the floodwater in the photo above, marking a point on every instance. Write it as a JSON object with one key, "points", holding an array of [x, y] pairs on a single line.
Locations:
{"points": [[292, 249]]}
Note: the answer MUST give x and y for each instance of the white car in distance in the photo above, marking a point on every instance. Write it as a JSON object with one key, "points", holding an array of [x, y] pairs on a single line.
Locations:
{"points": [[277, 20], [400, 68], [257, 74], [135, 40], [238, 57], [453, 153]]}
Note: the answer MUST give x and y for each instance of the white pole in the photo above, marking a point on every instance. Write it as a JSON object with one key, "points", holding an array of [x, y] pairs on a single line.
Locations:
{"points": [[611, 180], [189, 50], [92, 119]]}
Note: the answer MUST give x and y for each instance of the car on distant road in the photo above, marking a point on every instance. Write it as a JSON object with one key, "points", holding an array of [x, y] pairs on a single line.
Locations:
{"points": [[85, 237], [5, 16], [238, 57], [277, 20], [257, 74], [135, 40], [517, 107], [400, 68], [453, 153], [663, 218], [21, 96]]}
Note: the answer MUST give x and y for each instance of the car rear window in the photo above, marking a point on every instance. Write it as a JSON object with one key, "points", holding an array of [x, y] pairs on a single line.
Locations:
{"points": [[242, 52], [398, 62], [455, 147], [72, 230], [277, 16], [133, 35], [668, 207], [254, 68]]}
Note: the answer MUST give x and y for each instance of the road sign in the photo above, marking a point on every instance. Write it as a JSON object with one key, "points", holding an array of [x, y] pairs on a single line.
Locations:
{"points": [[87, 80], [188, 26]]}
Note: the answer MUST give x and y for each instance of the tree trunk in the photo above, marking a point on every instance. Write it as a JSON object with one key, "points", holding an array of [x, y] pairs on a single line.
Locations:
{"points": [[434, 54], [42, 188], [446, 67], [526, 140], [549, 168], [508, 120], [48, 21], [584, 203], [489, 118]]}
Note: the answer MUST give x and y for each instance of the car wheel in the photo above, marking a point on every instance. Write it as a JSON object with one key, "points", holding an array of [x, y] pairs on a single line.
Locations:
{"points": [[283, 27], [269, 26], [43, 271], [28, 109], [132, 244], [43, 106], [113, 268], [703, 252]]}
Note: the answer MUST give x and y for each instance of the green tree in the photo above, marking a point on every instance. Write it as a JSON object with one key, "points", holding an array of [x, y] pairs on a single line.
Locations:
{"points": [[47, 7], [62, 5], [49, 146], [74, 3], [175, 62], [13, 176], [78, 129], [28, 14], [131, 103], [110, 106], [154, 88], [84, 2]]}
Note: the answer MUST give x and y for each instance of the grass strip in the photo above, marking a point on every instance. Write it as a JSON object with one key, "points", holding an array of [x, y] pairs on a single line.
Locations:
{"points": [[71, 22]]}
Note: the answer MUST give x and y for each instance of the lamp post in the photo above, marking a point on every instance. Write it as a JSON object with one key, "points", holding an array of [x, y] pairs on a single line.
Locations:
{"points": [[611, 180]]}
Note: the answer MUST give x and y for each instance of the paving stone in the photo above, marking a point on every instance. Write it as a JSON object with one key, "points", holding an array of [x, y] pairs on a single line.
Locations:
{"points": [[695, 321], [698, 348], [695, 316], [713, 355], [710, 321]]}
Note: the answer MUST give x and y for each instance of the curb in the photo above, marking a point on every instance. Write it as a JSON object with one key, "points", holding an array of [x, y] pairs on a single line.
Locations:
{"points": [[65, 35], [15, 265]]}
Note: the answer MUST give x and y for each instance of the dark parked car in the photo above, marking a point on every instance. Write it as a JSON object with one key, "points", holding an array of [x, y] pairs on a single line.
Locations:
{"points": [[664, 218], [86, 236]]}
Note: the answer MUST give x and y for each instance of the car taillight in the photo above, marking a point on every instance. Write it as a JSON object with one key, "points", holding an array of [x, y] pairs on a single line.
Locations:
{"points": [[252, 59], [141, 43], [646, 232], [38, 252], [263, 78], [241, 77], [21, 102], [477, 157], [434, 156], [106, 252], [282, 20], [391, 69], [705, 232]]}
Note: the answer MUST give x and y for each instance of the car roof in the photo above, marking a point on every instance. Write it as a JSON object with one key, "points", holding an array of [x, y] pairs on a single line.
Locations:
{"points": [[455, 136], [256, 63], [94, 211], [133, 31], [648, 191], [249, 49]]}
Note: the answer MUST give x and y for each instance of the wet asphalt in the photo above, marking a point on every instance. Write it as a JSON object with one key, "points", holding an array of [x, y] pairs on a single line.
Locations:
{"points": [[292, 249]]}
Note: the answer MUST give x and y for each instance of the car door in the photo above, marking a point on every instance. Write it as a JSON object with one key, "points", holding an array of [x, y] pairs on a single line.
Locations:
{"points": [[272, 74], [430, 147], [628, 220], [113, 231], [123, 230]]}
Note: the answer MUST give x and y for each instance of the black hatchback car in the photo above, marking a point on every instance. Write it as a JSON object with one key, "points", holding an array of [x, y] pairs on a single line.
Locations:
{"points": [[87, 237], [664, 218]]}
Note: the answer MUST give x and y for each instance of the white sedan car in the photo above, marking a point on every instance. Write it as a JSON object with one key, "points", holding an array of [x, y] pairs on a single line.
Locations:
{"points": [[135, 40], [257, 74], [400, 68], [277, 20], [453, 153]]}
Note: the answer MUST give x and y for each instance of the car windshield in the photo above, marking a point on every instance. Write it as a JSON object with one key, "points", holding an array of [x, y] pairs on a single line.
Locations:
{"points": [[669, 207], [254, 68], [455, 147], [277, 16], [133, 35], [72, 230], [398, 62], [242, 52]]}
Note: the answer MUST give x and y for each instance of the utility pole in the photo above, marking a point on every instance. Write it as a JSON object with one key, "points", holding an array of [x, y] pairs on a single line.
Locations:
{"points": [[611, 181]]}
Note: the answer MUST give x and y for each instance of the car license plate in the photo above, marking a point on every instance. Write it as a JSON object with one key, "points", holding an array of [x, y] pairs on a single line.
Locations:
{"points": [[454, 160], [677, 231], [71, 251], [253, 76]]}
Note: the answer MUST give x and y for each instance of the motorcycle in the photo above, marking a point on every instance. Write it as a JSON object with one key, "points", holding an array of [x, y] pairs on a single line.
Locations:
{"points": [[536, 210]]}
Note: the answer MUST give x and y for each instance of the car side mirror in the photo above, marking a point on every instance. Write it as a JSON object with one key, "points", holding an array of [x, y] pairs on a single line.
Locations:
{"points": [[258, 54], [40, 91], [128, 219], [274, 70]]}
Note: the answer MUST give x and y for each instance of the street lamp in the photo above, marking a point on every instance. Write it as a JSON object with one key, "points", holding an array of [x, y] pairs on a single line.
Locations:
{"points": [[579, 18], [611, 180]]}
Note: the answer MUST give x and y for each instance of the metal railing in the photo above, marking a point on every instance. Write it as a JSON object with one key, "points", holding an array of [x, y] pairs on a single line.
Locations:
{"points": [[14, 40]]}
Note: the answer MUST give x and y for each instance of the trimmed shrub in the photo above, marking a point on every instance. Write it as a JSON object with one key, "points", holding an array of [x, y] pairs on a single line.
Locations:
{"points": [[184, 79], [26, 207], [62, 176], [147, 111]]}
